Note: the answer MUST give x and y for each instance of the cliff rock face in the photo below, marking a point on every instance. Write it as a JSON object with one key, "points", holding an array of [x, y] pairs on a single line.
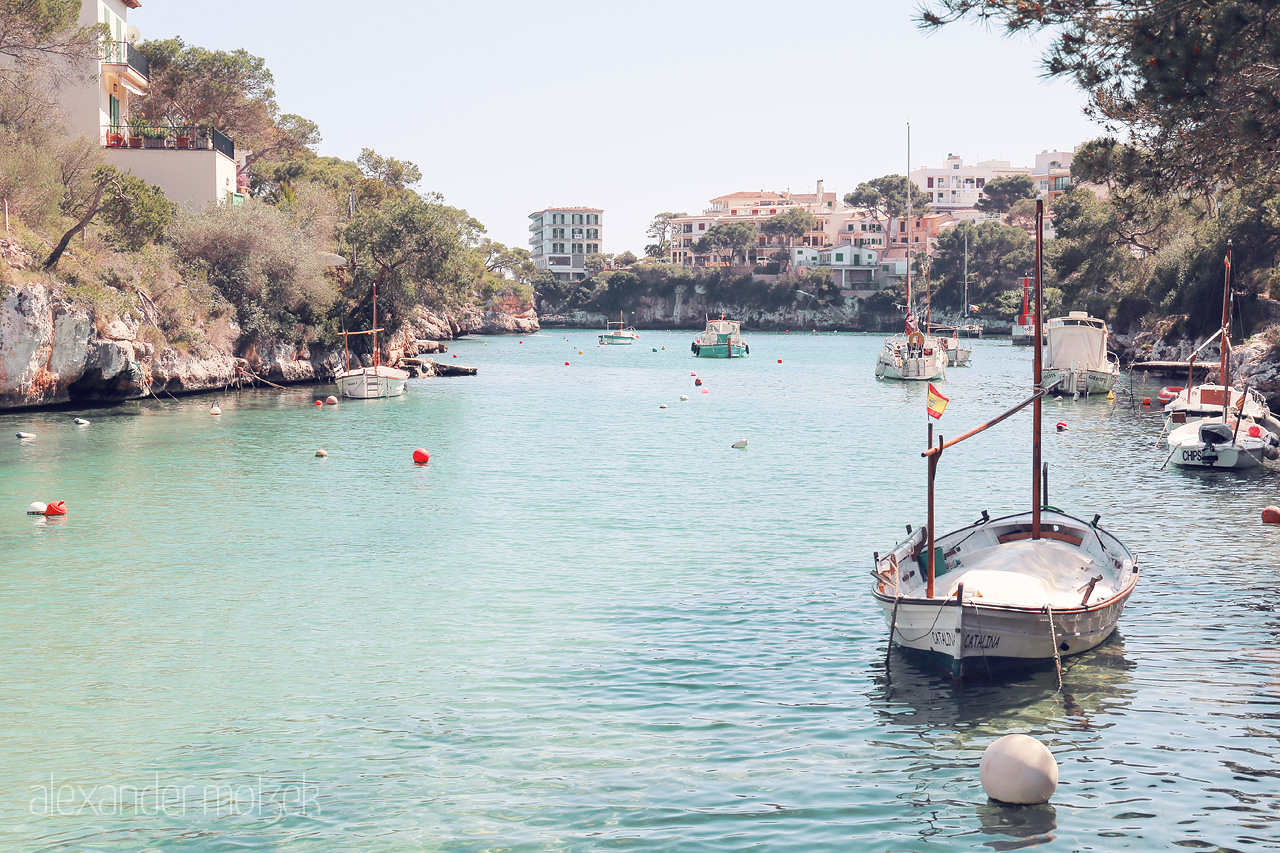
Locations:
{"points": [[53, 353]]}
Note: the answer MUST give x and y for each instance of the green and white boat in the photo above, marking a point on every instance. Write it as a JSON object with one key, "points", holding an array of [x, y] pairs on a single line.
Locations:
{"points": [[722, 339]]}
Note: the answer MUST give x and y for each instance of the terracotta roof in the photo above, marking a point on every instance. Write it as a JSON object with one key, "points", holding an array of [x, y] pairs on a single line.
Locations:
{"points": [[133, 4], [761, 194]]}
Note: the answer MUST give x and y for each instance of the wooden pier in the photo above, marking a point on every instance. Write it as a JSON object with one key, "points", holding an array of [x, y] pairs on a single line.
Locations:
{"points": [[1172, 368]]}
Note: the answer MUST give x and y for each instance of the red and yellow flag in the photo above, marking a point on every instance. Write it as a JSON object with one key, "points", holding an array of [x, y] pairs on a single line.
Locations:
{"points": [[937, 402]]}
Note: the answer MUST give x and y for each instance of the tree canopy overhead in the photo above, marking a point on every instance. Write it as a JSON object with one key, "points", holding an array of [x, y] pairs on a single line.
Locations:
{"points": [[887, 197], [1194, 83]]}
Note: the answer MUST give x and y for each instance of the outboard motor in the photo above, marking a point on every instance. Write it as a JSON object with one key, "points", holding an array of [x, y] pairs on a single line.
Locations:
{"points": [[1211, 434]]}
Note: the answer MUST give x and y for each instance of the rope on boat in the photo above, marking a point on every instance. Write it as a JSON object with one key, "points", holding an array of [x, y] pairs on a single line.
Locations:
{"points": [[893, 629], [1053, 638]]}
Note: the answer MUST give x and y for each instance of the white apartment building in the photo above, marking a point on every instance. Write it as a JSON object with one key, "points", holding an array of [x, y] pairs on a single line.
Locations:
{"points": [[194, 166], [1052, 173], [957, 186], [560, 238]]}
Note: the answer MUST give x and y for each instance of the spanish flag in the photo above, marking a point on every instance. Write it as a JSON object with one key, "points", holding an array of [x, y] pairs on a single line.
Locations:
{"points": [[937, 402]]}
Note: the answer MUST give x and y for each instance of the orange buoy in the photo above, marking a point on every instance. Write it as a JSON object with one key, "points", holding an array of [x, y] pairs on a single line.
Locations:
{"points": [[56, 508], [331, 400], [1062, 427], [319, 402], [1271, 515], [1146, 401], [421, 456]]}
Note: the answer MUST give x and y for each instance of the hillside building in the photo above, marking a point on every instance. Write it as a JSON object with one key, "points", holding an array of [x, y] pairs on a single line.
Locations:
{"points": [[560, 238]]}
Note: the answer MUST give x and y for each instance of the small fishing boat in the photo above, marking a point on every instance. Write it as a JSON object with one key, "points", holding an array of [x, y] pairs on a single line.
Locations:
{"points": [[1079, 363], [721, 339], [912, 355], [378, 380], [958, 355], [1003, 593], [1223, 442], [619, 333]]}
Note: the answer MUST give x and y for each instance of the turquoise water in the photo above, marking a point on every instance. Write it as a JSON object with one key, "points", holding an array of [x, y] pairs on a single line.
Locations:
{"points": [[590, 624]]}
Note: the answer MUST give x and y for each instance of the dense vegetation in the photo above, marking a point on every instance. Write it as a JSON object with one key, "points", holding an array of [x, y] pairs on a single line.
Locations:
{"points": [[111, 241]]}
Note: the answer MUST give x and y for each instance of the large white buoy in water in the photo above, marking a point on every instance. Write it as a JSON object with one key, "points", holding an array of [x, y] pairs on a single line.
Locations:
{"points": [[740, 444], [214, 410], [1018, 769], [26, 435], [82, 422], [37, 508]]}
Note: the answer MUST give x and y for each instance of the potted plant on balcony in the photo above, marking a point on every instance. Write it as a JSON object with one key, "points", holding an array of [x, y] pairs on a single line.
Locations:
{"points": [[135, 133], [183, 137], [152, 137]]}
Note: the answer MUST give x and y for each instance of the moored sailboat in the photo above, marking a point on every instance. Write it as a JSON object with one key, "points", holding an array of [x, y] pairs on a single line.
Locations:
{"points": [[377, 380], [1009, 592], [619, 333]]}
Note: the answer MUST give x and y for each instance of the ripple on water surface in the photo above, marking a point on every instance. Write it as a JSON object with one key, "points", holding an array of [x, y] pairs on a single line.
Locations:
{"points": [[589, 623]]}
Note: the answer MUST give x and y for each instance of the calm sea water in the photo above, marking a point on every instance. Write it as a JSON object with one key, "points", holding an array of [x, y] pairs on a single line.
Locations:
{"points": [[590, 624]]}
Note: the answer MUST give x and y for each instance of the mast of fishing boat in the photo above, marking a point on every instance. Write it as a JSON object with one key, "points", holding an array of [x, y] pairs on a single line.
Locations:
{"points": [[1038, 373], [1226, 329], [964, 309], [375, 321], [908, 219]]}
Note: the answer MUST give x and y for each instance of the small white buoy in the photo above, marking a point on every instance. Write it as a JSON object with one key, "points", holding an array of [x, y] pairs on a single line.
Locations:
{"points": [[322, 453], [25, 435], [684, 398], [1018, 769], [214, 410], [37, 508], [82, 422], [663, 406], [740, 444]]}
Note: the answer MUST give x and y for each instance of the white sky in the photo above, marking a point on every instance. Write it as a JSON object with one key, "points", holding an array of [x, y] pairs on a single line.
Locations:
{"points": [[509, 106]]}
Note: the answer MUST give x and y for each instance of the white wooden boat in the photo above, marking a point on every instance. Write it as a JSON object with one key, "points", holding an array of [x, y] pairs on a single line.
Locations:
{"points": [[368, 383], [1017, 591], [1078, 361], [1222, 442], [619, 333], [377, 380], [914, 356]]}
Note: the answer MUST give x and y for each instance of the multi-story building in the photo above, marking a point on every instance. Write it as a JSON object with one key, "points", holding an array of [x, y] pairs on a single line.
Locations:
{"points": [[956, 186], [1052, 174], [757, 208], [194, 165], [560, 238]]}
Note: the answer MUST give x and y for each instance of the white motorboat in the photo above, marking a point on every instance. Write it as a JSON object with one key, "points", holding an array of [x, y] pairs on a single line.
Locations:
{"points": [[721, 339], [619, 333], [1222, 442], [376, 380], [913, 356], [958, 355], [1078, 360], [1021, 590]]}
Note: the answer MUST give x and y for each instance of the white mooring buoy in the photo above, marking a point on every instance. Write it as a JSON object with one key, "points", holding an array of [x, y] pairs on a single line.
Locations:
{"points": [[684, 398], [37, 508], [82, 422], [740, 444], [1018, 769], [663, 406], [26, 435]]}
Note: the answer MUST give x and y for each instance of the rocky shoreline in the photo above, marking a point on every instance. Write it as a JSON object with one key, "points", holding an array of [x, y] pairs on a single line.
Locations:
{"points": [[54, 353]]}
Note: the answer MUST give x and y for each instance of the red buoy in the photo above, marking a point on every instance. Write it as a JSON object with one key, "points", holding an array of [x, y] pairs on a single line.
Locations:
{"points": [[566, 364], [1146, 401], [56, 508], [1255, 431], [1271, 515], [319, 402], [421, 456], [779, 361], [1169, 393], [1062, 427], [455, 355], [697, 382]]}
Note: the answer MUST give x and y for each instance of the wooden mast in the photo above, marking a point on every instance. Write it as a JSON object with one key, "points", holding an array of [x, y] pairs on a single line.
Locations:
{"points": [[908, 238], [375, 322], [1038, 373], [1226, 330]]}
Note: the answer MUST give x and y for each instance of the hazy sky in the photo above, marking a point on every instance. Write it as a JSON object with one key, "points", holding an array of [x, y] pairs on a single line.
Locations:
{"points": [[637, 108]]}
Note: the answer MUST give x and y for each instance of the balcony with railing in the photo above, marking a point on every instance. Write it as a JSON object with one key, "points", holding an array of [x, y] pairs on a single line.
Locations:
{"points": [[128, 63], [172, 138]]}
